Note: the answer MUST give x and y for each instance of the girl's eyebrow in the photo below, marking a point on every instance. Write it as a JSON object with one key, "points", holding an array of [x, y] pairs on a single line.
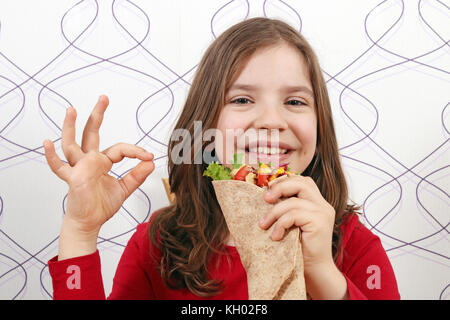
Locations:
{"points": [[285, 89]]}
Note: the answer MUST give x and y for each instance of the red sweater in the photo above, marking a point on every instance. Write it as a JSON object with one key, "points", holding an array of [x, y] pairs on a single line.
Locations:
{"points": [[365, 266]]}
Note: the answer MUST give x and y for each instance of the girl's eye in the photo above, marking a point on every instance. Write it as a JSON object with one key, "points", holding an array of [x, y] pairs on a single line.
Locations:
{"points": [[240, 101], [292, 102], [296, 103]]}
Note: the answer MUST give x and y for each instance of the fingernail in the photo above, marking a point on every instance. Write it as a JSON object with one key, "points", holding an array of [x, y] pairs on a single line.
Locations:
{"points": [[146, 154], [262, 221], [268, 193], [276, 234]]}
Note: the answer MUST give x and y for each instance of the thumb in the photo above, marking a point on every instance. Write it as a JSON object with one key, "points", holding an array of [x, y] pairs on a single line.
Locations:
{"points": [[133, 179]]}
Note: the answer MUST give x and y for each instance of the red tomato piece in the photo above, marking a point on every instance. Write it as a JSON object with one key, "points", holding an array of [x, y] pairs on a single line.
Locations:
{"points": [[263, 179], [242, 173]]}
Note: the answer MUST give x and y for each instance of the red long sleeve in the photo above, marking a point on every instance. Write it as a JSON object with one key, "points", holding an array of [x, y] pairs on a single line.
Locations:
{"points": [[130, 272], [365, 266], [77, 278]]}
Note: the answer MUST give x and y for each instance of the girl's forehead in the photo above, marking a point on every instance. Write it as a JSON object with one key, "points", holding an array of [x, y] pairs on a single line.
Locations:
{"points": [[276, 66]]}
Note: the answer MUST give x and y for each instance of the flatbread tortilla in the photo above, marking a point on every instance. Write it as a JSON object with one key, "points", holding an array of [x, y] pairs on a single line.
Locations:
{"points": [[274, 268]]}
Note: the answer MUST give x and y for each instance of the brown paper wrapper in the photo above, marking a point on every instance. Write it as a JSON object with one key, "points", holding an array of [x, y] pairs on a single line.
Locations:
{"points": [[170, 195], [274, 268]]}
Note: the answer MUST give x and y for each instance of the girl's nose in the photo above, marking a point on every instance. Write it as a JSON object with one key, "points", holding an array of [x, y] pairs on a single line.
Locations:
{"points": [[270, 117]]}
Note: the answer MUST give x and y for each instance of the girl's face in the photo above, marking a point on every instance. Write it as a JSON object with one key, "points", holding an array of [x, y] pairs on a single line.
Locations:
{"points": [[272, 94]]}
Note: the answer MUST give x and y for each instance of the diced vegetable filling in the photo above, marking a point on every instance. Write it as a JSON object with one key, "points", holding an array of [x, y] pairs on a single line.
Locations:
{"points": [[244, 172]]}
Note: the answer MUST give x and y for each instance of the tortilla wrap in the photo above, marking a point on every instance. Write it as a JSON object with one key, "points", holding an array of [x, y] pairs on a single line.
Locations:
{"points": [[274, 268]]}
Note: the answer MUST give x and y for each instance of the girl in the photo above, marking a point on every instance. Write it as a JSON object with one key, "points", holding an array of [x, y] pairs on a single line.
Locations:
{"points": [[261, 75]]}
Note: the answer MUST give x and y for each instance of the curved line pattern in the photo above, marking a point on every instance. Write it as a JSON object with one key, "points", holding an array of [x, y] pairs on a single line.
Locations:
{"points": [[418, 173], [367, 135]]}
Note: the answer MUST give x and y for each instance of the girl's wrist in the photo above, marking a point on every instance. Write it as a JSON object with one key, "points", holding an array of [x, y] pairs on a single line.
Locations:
{"points": [[326, 282], [74, 242], [74, 227]]}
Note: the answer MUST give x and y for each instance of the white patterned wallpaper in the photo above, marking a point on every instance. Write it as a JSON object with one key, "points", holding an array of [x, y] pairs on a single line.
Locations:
{"points": [[387, 66]]}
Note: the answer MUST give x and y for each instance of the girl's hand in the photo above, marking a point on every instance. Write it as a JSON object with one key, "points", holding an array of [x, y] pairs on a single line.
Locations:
{"points": [[305, 208], [94, 196]]}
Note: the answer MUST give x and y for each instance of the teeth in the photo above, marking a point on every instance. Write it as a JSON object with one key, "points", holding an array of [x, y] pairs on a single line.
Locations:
{"points": [[266, 150]]}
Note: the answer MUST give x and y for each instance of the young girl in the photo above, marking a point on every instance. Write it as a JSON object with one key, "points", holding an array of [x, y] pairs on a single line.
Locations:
{"points": [[261, 75]]}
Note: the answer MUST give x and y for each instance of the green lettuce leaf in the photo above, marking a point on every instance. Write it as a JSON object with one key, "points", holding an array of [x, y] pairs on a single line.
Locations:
{"points": [[237, 160], [216, 171]]}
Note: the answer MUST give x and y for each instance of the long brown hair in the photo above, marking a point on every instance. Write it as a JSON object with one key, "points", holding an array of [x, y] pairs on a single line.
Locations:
{"points": [[193, 228]]}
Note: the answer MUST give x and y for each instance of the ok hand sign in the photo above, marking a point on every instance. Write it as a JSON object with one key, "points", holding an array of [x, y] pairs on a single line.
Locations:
{"points": [[94, 196]]}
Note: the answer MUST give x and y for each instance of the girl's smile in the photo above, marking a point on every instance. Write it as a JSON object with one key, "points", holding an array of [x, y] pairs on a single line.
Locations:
{"points": [[273, 97], [267, 152]]}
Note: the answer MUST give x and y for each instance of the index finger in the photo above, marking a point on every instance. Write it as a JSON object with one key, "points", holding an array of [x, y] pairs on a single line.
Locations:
{"points": [[71, 149], [91, 137], [298, 186]]}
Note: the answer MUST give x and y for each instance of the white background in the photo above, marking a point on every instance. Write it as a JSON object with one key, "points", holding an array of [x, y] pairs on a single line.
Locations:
{"points": [[387, 65]]}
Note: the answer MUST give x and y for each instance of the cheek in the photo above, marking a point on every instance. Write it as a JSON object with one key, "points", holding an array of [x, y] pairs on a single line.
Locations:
{"points": [[305, 129], [227, 125], [231, 120]]}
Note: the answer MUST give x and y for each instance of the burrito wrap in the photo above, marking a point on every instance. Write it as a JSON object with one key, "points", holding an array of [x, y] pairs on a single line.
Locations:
{"points": [[274, 268]]}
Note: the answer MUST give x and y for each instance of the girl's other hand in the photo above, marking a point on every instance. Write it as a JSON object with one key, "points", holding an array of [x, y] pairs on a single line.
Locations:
{"points": [[303, 206], [307, 209], [94, 196]]}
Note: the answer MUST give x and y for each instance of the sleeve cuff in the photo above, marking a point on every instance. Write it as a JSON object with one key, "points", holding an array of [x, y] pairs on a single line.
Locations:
{"points": [[353, 291], [77, 278]]}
